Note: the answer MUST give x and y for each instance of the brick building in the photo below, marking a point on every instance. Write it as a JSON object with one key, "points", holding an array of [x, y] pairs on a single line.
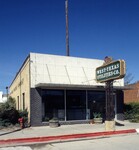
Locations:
{"points": [[132, 94]]}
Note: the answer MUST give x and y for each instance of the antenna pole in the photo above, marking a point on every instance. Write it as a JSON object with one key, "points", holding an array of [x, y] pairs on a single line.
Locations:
{"points": [[67, 28]]}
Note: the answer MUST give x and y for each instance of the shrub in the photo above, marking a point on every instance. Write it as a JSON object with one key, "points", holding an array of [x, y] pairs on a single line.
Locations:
{"points": [[4, 122], [8, 113], [97, 115], [24, 114], [132, 111]]}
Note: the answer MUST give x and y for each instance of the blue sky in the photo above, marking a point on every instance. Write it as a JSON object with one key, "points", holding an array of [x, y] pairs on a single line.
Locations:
{"points": [[97, 28]]}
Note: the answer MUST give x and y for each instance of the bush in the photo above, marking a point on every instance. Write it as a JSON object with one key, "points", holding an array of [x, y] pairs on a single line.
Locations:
{"points": [[24, 114], [4, 122], [132, 111], [12, 115], [8, 113]]}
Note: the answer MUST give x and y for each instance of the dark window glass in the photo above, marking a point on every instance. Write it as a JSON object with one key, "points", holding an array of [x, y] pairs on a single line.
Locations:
{"points": [[96, 102], [76, 105], [53, 104], [23, 101], [18, 102]]}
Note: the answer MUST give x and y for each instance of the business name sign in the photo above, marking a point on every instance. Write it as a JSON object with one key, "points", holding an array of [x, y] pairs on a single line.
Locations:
{"points": [[112, 71]]}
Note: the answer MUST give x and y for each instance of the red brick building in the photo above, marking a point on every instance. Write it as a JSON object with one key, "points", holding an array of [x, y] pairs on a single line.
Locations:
{"points": [[132, 94]]}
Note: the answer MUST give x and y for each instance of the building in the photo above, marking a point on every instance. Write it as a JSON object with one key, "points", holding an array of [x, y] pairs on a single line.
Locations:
{"points": [[132, 93], [3, 97], [61, 86]]}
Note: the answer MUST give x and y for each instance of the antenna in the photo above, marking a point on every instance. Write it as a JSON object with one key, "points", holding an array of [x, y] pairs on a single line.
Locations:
{"points": [[67, 28]]}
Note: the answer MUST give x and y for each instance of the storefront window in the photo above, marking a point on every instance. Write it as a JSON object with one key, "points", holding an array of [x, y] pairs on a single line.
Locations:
{"points": [[96, 103], [53, 104], [76, 105], [71, 105]]}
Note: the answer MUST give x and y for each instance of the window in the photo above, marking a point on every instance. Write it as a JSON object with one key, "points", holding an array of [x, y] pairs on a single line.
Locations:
{"points": [[23, 100], [53, 104], [18, 102], [76, 105], [96, 102]]}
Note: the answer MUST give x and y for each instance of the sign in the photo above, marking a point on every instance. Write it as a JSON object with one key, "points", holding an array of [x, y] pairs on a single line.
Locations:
{"points": [[111, 71]]}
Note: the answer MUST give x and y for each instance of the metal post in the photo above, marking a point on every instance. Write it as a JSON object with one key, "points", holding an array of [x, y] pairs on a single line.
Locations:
{"points": [[65, 100], [67, 28], [109, 122], [109, 101], [115, 107], [87, 115]]}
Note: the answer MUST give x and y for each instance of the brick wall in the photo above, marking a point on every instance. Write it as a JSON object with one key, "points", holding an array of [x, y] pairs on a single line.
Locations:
{"points": [[132, 95], [36, 105]]}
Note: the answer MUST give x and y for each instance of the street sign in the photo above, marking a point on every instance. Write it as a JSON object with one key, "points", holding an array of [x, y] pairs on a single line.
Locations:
{"points": [[111, 71]]}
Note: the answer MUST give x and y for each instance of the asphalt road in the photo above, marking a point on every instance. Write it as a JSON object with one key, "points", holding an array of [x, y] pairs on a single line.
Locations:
{"points": [[121, 142]]}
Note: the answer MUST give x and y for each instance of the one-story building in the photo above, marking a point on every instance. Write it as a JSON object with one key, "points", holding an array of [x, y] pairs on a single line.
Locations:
{"points": [[64, 87]]}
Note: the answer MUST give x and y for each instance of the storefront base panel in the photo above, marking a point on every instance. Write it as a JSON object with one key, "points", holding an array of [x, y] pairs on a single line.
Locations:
{"points": [[69, 122]]}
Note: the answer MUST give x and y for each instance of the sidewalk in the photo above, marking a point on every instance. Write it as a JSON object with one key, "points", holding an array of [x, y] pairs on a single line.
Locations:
{"points": [[64, 132]]}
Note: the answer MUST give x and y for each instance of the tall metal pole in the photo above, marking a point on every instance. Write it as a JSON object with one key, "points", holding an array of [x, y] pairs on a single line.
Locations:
{"points": [[7, 91], [67, 28]]}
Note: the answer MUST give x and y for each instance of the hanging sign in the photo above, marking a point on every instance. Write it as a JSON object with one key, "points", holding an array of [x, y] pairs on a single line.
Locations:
{"points": [[111, 71]]}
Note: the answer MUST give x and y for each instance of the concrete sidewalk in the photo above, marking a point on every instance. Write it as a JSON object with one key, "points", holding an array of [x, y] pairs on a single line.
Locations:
{"points": [[64, 132]]}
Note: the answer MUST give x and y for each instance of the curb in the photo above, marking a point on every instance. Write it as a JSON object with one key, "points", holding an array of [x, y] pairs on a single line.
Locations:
{"points": [[60, 138]]}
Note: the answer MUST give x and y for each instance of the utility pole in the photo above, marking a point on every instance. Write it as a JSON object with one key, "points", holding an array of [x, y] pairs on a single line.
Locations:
{"points": [[67, 28]]}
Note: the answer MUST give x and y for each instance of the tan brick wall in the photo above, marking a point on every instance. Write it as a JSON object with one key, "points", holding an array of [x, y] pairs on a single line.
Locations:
{"points": [[20, 85]]}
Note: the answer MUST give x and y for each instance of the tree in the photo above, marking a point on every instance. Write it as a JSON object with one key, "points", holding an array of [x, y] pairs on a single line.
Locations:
{"points": [[128, 78]]}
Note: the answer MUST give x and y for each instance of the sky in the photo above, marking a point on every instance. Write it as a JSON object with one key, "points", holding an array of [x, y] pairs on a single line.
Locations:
{"points": [[97, 28]]}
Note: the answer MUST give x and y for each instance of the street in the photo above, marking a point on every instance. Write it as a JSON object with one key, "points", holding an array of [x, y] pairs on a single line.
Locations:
{"points": [[122, 142]]}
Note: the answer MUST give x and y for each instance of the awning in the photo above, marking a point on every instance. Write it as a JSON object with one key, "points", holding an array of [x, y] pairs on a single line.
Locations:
{"points": [[74, 86]]}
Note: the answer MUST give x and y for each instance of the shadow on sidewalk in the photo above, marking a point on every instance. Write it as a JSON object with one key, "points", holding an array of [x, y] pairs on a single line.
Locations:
{"points": [[9, 132], [119, 124]]}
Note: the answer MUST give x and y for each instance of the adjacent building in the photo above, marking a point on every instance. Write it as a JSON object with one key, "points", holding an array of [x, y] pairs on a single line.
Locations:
{"points": [[64, 87], [3, 97], [132, 93]]}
